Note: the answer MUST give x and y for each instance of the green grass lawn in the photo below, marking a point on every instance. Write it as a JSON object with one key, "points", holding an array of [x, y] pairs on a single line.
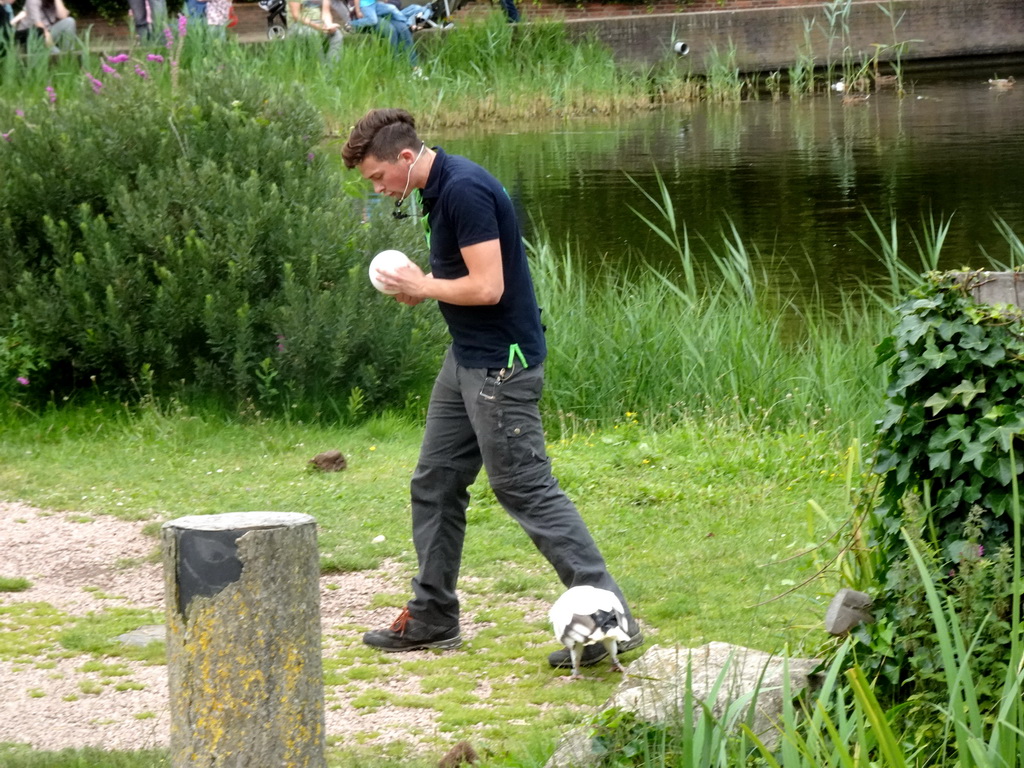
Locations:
{"points": [[703, 523]]}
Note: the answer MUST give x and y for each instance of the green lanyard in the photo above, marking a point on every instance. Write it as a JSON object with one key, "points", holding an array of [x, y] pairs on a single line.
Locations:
{"points": [[513, 352], [425, 222]]}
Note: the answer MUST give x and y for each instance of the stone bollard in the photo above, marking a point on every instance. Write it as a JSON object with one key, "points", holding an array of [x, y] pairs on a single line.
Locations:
{"points": [[243, 641]]}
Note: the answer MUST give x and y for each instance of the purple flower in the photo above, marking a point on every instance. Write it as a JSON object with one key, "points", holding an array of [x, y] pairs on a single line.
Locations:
{"points": [[182, 25], [168, 38], [981, 550], [7, 136], [309, 158], [121, 58], [51, 94], [154, 57], [141, 72], [19, 113], [97, 85], [107, 69], [280, 343], [23, 380]]}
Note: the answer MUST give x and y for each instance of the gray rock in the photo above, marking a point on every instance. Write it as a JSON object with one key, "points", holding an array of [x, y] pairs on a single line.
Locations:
{"points": [[655, 691], [847, 609], [143, 636]]}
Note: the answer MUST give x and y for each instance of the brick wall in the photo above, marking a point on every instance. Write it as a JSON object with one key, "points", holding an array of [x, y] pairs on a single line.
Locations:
{"points": [[768, 39], [537, 9]]}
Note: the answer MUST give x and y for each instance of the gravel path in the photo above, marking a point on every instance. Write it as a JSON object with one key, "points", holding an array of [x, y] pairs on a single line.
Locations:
{"points": [[79, 564]]}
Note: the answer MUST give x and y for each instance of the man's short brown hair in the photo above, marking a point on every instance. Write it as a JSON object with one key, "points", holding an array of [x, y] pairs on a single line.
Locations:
{"points": [[380, 133]]}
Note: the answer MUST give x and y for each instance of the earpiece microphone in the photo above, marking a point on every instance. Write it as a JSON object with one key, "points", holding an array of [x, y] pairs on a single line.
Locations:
{"points": [[398, 213]]}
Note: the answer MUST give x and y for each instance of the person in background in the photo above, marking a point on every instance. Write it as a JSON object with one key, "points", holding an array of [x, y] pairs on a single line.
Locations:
{"points": [[341, 15], [196, 9], [6, 22], [147, 14], [367, 15], [510, 10], [6, 28], [218, 13], [314, 17], [52, 19]]}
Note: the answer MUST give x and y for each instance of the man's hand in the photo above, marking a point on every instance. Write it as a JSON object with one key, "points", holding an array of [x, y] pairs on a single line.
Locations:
{"points": [[409, 301], [405, 281]]}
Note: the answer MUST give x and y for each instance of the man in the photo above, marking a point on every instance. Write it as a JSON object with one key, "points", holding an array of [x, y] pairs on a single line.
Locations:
{"points": [[49, 18], [315, 17], [367, 14], [148, 14], [483, 409], [509, 6]]}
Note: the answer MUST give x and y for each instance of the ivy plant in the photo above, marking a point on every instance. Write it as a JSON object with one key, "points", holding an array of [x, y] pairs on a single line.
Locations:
{"points": [[954, 412]]}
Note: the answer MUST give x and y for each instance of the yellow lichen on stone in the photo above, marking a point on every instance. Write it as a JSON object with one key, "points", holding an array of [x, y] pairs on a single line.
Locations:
{"points": [[245, 667]]}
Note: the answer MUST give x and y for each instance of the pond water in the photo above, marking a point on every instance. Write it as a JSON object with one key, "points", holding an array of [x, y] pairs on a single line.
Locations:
{"points": [[797, 178]]}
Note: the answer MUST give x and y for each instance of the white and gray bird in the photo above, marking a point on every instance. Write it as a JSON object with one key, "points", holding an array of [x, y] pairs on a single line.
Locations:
{"points": [[584, 616]]}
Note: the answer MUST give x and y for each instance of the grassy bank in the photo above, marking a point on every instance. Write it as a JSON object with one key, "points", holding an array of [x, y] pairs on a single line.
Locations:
{"points": [[698, 523], [490, 71]]}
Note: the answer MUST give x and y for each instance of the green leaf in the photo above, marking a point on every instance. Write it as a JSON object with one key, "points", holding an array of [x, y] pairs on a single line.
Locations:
{"points": [[973, 337], [893, 413], [939, 460], [973, 453], [1001, 433], [935, 357], [993, 356], [957, 432], [998, 411], [1004, 470], [909, 374], [968, 390], [936, 402], [885, 349], [910, 330]]}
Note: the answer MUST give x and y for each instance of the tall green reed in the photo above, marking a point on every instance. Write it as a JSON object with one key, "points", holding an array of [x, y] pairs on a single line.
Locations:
{"points": [[723, 81], [902, 276], [801, 74], [1013, 241], [705, 337], [927, 254]]}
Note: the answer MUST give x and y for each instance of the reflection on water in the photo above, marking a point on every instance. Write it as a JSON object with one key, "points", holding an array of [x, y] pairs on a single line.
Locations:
{"points": [[796, 178]]}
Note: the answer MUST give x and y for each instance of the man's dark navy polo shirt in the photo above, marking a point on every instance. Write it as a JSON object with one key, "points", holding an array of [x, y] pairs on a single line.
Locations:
{"points": [[465, 206]]}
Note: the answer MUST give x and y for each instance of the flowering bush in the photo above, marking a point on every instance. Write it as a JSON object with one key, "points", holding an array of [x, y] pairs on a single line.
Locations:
{"points": [[196, 233], [18, 359]]}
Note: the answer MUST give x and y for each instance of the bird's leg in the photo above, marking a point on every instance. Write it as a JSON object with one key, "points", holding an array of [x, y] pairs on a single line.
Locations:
{"points": [[576, 653], [613, 651]]}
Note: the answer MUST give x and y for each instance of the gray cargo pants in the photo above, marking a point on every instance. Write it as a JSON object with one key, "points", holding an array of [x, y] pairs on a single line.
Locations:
{"points": [[477, 417]]}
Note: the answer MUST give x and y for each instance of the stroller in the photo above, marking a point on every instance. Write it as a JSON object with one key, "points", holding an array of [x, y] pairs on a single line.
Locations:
{"points": [[277, 21], [423, 16], [436, 14]]}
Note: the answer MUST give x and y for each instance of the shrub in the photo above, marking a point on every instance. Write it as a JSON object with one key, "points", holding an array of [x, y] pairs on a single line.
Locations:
{"points": [[195, 237], [946, 454]]}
